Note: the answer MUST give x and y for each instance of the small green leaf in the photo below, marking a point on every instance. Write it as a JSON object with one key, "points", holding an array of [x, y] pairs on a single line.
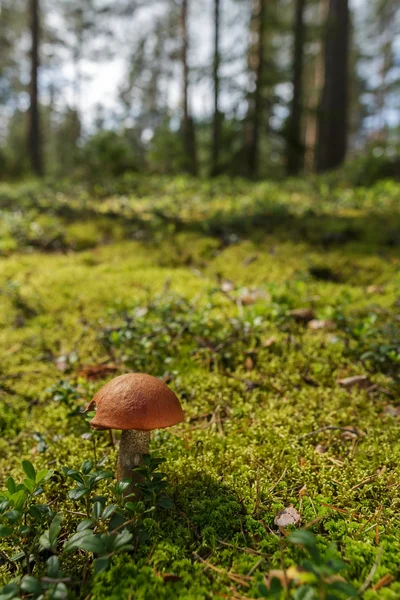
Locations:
{"points": [[18, 499], [97, 510], [85, 524], [101, 564], [29, 469], [262, 588], [55, 529], [11, 485], [30, 485], [343, 587], [109, 511], [87, 466], [43, 475], [78, 493], [92, 543], [86, 540], [53, 566], [165, 502], [305, 592], [122, 539], [13, 516], [60, 592], [5, 531], [104, 475], [31, 585], [74, 475], [9, 592]]}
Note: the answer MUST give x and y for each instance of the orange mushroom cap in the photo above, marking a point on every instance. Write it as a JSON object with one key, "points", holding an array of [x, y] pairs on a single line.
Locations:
{"points": [[135, 401]]}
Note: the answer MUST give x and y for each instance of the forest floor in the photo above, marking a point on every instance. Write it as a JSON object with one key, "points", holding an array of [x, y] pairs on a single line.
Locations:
{"points": [[253, 301]]}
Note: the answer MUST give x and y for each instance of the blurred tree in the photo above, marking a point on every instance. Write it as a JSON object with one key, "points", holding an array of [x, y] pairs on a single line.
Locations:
{"points": [[333, 112], [295, 143], [35, 150], [188, 130], [216, 126], [256, 67]]}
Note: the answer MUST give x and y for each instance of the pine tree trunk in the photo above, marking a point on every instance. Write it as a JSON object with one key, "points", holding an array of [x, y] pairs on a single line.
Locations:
{"points": [[216, 139], [333, 114], [34, 120], [257, 66], [295, 144], [189, 141]]}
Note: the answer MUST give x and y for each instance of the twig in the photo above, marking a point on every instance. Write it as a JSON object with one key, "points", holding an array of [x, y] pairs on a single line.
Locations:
{"points": [[328, 428], [247, 550], [371, 574], [240, 579], [255, 567]]}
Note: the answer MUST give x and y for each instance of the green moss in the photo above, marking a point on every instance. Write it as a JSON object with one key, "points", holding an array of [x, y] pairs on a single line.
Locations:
{"points": [[254, 383]]}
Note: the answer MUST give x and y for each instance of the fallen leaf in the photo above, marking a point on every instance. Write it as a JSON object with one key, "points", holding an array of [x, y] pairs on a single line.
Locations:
{"points": [[302, 315], [93, 372], [360, 381], [385, 580], [269, 341], [287, 516], [375, 289], [393, 411], [317, 324], [249, 363]]}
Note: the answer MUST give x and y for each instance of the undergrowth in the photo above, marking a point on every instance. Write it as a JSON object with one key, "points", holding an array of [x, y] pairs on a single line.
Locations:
{"points": [[256, 303]]}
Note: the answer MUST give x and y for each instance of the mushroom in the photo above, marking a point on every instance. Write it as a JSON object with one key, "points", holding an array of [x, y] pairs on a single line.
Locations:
{"points": [[136, 403]]}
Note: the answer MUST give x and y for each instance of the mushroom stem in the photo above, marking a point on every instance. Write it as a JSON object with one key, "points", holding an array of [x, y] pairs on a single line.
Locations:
{"points": [[131, 449]]}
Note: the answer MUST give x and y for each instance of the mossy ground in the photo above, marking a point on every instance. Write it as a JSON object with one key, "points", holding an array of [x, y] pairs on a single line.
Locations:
{"points": [[195, 282]]}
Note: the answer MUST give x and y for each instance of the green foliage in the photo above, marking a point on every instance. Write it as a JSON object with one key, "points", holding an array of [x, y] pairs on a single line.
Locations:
{"points": [[196, 284]]}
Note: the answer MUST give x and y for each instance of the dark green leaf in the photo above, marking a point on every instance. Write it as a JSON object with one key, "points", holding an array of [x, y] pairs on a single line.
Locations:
{"points": [[343, 587], [87, 466], [78, 493], [5, 531], [305, 592], [31, 585], [85, 524], [53, 566], [11, 485], [101, 564], [262, 588], [60, 592], [55, 529], [165, 502], [97, 510], [109, 511], [9, 592], [104, 475], [122, 539], [13, 515], [29, 469]]}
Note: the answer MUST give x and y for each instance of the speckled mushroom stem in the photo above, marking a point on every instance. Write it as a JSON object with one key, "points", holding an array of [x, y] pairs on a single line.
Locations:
{"points": [[131, 449]]}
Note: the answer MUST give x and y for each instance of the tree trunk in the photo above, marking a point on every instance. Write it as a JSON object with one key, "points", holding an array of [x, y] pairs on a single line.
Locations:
{"points": [[189, 142], [34, 121], [333, 114], [216, 139], [295, 144], [313, 95], [256, 101]]}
